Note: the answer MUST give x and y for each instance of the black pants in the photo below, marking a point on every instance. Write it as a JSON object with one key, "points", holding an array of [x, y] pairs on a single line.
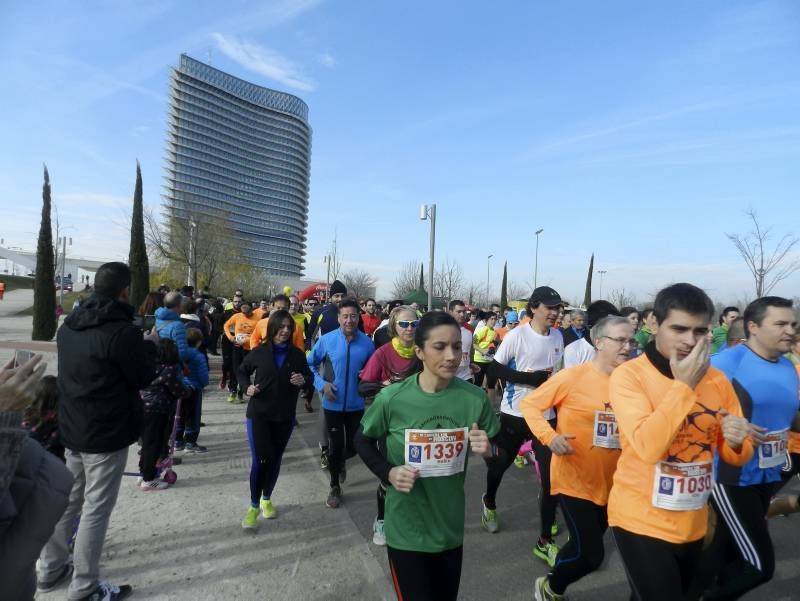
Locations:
{"points": [[268, 440], [491, 380], [154, 426], [789, 469], [584, 550], [342, 426], [237, 356], [657, 570], [418, 576], [513, 432], [742, 548], [226, 349]]}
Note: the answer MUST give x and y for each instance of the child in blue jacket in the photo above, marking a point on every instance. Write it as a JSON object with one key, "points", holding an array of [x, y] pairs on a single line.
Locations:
{"points": [[195, 380]]}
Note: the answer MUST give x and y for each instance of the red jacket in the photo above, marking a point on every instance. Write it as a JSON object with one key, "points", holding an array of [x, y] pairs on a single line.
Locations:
{"points": [[371, 323]]}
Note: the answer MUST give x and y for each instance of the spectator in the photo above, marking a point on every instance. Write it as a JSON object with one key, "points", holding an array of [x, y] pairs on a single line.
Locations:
{"points": [[169, 324], [103, 362]]}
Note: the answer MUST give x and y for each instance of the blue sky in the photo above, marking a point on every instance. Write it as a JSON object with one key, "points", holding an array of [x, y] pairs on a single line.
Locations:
{"points": [[640, 132]]}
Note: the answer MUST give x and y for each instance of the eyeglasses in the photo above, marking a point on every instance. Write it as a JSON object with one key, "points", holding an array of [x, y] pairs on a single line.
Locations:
{"points": [[407, 324], [623, 341]]}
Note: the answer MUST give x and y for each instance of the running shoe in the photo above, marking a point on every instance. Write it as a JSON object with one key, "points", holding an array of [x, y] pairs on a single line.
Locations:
{"points": [[554, 529], [519, 462], [542, 591], [323, 459], [334, 497], [194, 448], [378, 537], [547, 551], [489, 518], [152, 485], [250, 520], [267, 509], [106, 591], [232, 397], [62, 578]]}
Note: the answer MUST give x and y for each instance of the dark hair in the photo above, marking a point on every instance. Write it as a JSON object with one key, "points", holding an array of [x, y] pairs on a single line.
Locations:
{"points": [[757, 310], [47, 395], [188, 306], [432, 319], [168, 351], [349, 302], [151, 302], [625, 311], [187, 291], [193, 336], [599, 310], [725, 311], [682, 297], [281, 297], [646, 312], [369, 299], [276, 322], [111, 279], [455, 303]]}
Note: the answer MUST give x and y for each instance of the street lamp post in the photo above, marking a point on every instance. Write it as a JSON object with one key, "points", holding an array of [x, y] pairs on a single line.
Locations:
{"points": [[63, 242], [429, 212], [536, 261], [602, 273], [488, 259]]}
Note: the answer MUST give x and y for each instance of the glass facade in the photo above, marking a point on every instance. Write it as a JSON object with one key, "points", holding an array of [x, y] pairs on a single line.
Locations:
{"points": [[241, 152]]}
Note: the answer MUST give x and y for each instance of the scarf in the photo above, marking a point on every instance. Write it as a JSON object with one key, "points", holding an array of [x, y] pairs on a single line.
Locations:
{"points": [[406, 352]]}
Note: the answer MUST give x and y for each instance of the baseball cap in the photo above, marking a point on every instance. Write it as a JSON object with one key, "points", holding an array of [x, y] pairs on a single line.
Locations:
{"points": [[512, 317], [545, 295]]}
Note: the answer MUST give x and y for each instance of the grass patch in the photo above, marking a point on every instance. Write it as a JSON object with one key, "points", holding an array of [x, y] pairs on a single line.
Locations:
{"points": [[69, 300]]}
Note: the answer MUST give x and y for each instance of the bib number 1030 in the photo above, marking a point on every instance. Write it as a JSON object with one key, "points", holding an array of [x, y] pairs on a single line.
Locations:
{"points": [[436, 452], [682, 486]]}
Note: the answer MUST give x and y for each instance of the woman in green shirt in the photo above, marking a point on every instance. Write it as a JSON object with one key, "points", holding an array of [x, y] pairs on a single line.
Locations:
{"points": [[430, 421]]}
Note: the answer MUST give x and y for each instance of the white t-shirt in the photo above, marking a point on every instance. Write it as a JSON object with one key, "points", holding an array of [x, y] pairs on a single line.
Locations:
{"points": [[578, 352], [523, 349], [464, 372]]}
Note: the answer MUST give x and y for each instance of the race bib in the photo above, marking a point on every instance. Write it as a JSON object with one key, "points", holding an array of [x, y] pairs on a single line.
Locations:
{"points": [[242, 338], [436, 452], [772, 453], [682, 486], [606, 431]]}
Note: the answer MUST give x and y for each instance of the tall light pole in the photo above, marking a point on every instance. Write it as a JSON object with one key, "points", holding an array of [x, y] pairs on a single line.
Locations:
{"points": [[602, 273], [429, 212], [488, 259], [63, 242], [536, 261], [192, 272]]}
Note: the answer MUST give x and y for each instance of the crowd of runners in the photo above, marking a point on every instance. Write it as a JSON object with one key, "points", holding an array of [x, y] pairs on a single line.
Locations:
{"points": [[674, 425]]}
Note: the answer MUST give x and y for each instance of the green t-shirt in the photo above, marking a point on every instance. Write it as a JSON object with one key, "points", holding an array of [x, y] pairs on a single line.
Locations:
{"points": [[720, 334], [431, 517]]}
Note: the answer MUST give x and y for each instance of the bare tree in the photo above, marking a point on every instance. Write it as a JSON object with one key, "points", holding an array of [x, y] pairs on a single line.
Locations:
{"points": [[448, 280], [360, 284], [768, 267], [517, 291], [334, 260], [406, 279], [622, 298], [474, 292]]}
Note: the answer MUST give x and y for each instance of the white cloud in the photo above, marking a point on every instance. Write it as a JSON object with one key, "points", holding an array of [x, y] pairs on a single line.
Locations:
{"points": [[263, 60], [326, 60]]}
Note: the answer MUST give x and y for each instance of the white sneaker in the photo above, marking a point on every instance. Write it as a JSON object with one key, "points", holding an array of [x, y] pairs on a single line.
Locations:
{"points": [[378, 536], [153, 485]]}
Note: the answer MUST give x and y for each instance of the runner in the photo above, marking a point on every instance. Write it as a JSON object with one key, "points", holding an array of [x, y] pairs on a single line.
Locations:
{"points": [[512, 321], [370, 317], [388, 365], [280, 302], [226, 348], [525, 360], [585, 448], [341, 353], [787, 504], [238, 330], [430, 421], [582, 350], [280, 370], [767, 386], [577, 329], [466, 369], [720, 333], [483, 348], [645, 334], [673, 412]]}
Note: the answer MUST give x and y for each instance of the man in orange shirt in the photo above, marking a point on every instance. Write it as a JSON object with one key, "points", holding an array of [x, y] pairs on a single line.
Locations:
{"points": [[585, 446], [238, 330], [674, 411], [279, 303]]}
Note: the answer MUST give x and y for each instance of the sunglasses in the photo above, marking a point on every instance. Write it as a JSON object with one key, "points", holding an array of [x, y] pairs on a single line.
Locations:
{"points": [[407, 324]]}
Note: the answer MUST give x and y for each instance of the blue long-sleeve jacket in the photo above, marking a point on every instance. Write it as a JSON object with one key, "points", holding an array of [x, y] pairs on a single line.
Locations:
{"points": [[334, 359], [169, 325], [198, 369]]}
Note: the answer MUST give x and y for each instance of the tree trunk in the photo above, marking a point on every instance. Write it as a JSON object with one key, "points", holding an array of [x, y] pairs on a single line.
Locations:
{"points": [[504, 287], [44, 291], [587, 295], [421, 276], [137, 255]]}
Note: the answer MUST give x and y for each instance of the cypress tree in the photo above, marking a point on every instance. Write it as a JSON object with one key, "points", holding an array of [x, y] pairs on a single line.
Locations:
{"points": [[44, 290], [504, 287], [421, 276], [137, 255], [587, 295]]}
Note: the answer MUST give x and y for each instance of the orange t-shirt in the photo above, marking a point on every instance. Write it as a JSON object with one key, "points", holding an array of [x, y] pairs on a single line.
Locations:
{"points": [[662, 419], [260, 333], [261, 313], [242, 327], [576, 394]]}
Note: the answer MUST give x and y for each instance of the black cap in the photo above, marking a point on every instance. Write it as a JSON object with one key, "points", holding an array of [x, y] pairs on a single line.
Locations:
{"points": [[338, 287], [545, 295]]}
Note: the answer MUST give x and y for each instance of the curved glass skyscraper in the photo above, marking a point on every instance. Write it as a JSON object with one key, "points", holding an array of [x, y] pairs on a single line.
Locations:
{"points": [[241, 152]]}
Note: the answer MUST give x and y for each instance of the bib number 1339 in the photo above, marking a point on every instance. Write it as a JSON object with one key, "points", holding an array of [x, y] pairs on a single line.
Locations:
{"points": [[436, 452]]}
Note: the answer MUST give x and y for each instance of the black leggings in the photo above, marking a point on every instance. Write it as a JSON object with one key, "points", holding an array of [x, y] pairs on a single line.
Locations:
{"points": [[154, 434], [419, 576], [513, 432], [491, 379], [342, 426], [657, 570], [237, 356], [742, 548], [584, 550]]}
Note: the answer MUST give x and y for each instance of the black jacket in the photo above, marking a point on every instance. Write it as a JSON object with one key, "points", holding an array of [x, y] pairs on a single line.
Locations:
{"points": [[103, 362], [570, 336], [277, 400]]}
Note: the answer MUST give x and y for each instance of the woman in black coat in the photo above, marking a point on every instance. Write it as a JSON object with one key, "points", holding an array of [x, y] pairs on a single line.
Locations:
{"points": [[272, 375]]}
